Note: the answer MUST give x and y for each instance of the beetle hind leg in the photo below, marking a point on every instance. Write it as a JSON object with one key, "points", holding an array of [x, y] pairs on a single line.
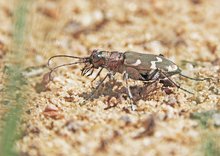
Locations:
{"points": [[174, 83]]}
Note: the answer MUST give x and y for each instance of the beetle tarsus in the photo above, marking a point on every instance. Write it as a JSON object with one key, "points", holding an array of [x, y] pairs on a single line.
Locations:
{"points": [[82, 103], [133, 107]]}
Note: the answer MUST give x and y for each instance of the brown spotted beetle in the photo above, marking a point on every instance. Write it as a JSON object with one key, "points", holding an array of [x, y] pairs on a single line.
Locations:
{"points": [[133, 65]]}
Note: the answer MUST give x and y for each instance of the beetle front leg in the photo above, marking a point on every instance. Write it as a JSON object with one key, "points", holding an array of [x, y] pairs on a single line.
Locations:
{"points": [[97, 74], [97, 87], [133, 106]]}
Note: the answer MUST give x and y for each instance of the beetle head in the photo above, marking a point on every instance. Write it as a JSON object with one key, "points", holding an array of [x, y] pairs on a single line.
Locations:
{"points": [[98, 58]]}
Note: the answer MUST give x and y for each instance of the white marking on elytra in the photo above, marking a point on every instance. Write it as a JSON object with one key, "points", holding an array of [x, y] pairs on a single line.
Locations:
{"points": [[138, 62], [153, 63], [172, 68]]}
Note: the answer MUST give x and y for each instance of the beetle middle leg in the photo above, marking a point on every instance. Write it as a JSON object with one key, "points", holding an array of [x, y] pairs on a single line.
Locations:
{"points": [[133, 106], [152, 77]]}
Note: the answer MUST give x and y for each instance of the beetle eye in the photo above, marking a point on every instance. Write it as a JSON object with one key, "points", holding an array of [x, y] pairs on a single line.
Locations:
{"points": [[99, 55]]}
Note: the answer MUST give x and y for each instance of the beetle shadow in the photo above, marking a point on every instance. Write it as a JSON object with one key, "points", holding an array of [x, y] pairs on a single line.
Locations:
{"points": [[118, 90]]}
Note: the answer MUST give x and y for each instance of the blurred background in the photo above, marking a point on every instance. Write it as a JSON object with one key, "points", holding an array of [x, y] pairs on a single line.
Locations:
{"points": [[42, 118]]}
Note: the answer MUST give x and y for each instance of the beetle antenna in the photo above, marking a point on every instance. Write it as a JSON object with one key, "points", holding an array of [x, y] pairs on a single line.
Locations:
{"points": [[81, 60], [84, 59], [195, 79], [66, 64]]}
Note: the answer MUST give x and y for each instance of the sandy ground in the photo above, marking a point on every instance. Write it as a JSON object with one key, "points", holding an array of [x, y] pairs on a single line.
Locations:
{"points": [[54, 123]]}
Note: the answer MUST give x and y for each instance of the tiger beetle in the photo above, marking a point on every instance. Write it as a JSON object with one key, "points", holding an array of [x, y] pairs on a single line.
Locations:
{"points": [[137, 66]]}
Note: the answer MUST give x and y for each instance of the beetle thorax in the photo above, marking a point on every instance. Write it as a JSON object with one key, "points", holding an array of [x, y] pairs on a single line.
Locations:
{"points": [[114, 61], [106, 59]]}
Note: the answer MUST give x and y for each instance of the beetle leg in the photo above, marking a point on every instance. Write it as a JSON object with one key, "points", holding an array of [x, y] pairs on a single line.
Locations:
{"points": [[152, 78], [133, 106], [175, 84], [167, 83], [111, 75], [90, 72], [85, 69], [154, 75], [97, 74], [107, 75]]}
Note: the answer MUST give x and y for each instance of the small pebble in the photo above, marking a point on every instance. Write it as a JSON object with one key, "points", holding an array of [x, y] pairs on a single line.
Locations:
{"points": [[50, 107]]}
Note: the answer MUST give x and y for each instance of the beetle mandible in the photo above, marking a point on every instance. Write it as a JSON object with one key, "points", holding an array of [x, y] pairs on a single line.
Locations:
{"points": [[133, 65]]}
